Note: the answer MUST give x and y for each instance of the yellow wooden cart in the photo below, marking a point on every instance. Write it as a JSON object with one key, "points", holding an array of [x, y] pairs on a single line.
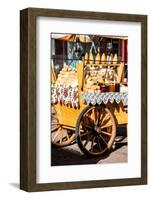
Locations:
{"points": [[91, 124]]}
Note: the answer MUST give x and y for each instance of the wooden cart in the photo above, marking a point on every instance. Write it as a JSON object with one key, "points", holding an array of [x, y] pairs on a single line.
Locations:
{"points": [[91, 125]]}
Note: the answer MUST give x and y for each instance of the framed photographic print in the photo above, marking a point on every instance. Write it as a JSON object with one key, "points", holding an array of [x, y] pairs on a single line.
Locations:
{"points": [[83, 99]]}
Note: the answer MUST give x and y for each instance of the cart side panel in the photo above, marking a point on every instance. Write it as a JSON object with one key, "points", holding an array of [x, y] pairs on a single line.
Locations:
{"points": [[68, 116], [120, 113]]}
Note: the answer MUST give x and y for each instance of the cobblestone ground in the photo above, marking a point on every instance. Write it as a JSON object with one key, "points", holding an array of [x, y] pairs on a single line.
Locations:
{"points": [[71, 155]]}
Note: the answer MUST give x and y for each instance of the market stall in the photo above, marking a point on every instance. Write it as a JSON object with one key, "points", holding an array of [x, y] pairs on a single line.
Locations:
{"points": [[89, 90]]}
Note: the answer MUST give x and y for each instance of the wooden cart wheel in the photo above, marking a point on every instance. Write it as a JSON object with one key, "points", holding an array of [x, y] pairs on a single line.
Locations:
{"points": [[59, 136], [95, 130]]}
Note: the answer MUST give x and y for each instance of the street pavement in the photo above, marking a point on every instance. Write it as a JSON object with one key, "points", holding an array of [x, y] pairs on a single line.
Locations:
{"points": [[72, 155]]}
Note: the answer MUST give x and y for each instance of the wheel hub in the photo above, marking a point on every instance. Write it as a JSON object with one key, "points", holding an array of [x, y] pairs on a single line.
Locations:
{"points": [[97, 129]]}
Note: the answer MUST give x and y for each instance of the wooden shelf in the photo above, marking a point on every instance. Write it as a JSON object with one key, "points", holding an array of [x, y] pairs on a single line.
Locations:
{"points": [[105, 65]]}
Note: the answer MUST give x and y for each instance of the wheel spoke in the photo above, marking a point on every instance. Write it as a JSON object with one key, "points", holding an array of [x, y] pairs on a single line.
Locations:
{"points": [[94, 115], [81, 131], [99, 143], [105, 121], [61, 136], [54, 117], [106, 126], [92, 143], [54, 129], [103, 139], [56, 134], [90, 122], [88, 127], [98, 118], [88, 139], [102, 117], [106, 133], [84, 134], [53, 139], [66, 134], [54, 124]]}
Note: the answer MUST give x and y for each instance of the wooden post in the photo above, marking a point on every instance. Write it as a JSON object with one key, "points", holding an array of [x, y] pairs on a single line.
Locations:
{"points": [[80, 72], [123, 58]]}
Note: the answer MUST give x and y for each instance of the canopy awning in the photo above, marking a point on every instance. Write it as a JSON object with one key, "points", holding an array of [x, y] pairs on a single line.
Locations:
{"points": [[83, 37]]}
